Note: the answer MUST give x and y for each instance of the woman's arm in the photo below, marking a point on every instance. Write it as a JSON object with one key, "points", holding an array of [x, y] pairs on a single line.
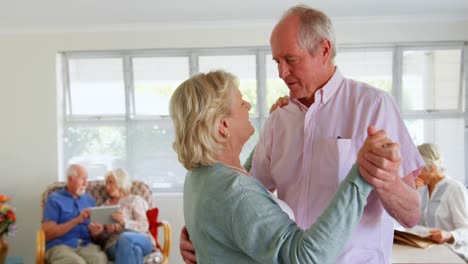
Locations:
{"points": [[267, 234], [137, 221]]}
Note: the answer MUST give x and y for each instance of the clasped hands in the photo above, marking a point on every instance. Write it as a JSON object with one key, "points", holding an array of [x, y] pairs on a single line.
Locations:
{"points": [[379, 160]]}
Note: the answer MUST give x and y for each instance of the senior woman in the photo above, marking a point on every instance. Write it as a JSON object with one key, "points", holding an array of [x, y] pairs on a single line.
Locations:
{"points": [[231, 217], [128, 240], [444, 203]]}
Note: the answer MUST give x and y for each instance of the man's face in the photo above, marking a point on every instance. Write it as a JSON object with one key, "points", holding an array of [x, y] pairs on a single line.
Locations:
{"points": [[302, 72], [77, 185]]}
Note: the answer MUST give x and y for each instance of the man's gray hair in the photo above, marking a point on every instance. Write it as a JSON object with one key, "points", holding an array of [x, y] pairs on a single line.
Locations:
{"points": [[314, 27], [72, 171]]}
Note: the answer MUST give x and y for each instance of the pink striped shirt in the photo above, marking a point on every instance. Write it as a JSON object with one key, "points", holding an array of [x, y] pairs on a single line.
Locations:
{"points": [[305, 153]]}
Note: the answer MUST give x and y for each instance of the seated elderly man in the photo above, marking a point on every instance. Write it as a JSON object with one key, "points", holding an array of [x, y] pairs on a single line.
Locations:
{"points": [[65, 222]]}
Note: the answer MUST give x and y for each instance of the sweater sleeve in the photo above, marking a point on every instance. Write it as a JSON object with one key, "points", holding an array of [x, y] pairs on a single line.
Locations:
{"points": [[266, 233]]}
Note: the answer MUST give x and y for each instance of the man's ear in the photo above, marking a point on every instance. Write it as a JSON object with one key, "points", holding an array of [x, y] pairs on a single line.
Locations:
{"points": [[325, 50]]}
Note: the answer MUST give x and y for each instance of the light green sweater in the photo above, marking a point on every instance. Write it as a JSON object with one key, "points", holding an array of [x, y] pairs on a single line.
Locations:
{"points": [[232, 218]]}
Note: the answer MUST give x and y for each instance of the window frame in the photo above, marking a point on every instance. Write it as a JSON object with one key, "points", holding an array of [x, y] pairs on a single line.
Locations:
{"points": [[130, 118]]}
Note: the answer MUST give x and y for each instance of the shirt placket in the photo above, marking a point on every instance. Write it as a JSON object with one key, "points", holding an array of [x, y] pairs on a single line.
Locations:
{"points": [[309, 132]]}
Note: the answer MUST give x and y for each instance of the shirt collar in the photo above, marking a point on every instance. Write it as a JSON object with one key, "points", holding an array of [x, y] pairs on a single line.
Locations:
{"points": [[67, 193], [331, 87], [325, 93]]}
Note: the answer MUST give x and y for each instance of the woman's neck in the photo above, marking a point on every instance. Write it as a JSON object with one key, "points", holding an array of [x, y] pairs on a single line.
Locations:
{"points": [[230, 156], [432, 184]]}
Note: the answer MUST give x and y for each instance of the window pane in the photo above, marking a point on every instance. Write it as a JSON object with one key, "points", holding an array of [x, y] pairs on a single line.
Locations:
{"points": [[98, 148], [372, 67], [448, 134], [97, 87], [431, 79], [155, 79], [243, 66], [275, 87], [152, 157]]}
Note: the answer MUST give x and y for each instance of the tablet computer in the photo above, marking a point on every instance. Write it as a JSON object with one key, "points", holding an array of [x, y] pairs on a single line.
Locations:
{"points": [[103, 214]]}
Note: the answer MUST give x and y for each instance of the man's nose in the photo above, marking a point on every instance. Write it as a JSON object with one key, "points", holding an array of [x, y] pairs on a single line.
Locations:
{"points": [[283, 70]]}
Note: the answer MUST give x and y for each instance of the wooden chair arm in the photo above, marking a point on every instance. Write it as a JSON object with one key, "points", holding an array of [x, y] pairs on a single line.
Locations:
{"points": [[167, 239], [40, 247]]}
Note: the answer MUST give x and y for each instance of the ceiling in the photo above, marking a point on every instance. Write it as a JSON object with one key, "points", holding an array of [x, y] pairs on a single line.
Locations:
{"points": [[63, 14]]}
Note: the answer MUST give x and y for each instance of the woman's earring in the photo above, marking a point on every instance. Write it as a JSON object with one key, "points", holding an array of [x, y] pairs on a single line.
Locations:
{"points": [[228, 135]]}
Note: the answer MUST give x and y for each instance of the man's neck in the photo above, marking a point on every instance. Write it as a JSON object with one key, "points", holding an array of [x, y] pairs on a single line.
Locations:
{"points": [[308, 101]]}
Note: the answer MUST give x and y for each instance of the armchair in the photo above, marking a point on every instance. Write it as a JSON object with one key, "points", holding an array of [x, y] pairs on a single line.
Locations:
{"points": [[97, 189]]}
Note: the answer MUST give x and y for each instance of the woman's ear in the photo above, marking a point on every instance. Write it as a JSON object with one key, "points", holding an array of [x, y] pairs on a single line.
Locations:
{"points": [[223, 128]]}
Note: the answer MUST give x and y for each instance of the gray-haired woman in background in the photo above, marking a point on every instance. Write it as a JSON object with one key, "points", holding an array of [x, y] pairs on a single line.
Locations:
{"points": [[444, 203]]}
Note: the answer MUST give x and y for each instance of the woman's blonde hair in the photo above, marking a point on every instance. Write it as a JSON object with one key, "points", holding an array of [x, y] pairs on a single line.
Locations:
{"points": [[197, 107], [431, 155], [123, 181]]}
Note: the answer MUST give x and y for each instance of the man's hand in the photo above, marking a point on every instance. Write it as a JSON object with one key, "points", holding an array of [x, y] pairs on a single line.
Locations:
{"points": [[83, 216], [95, 229], [280, 102], [186, 247], [441, 236]]}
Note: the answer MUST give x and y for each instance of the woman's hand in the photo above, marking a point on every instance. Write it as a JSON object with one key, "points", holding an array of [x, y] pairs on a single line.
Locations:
{"points": [[379, 159], [111, 228], [441, 236], [118, 216], [280, 102], [419, 182], [95, 229]]}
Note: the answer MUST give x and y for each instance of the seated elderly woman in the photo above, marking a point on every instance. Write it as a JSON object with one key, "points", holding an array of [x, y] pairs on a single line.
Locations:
{"points": [[444, 203], [128, 240], [233, 218]]}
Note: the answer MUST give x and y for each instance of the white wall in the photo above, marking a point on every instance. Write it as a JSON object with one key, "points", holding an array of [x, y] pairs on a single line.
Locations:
{"points": [[29, 108]]}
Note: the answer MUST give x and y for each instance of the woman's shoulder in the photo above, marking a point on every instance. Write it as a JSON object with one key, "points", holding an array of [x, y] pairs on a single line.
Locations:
{"points": [[455, 187], [220, 176], [133, 199]]}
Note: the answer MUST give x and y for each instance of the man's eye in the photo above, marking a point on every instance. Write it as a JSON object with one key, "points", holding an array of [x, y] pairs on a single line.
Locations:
{"points": [[293, 60]]}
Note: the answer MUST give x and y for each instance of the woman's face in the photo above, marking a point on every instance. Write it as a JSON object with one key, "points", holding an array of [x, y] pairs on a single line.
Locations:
{"points": [[111, 187], [239, 125], [425, 175]]}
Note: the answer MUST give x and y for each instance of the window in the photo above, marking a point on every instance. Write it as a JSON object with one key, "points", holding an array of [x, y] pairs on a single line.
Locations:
{"points": [[372, 66], [117, 103]]}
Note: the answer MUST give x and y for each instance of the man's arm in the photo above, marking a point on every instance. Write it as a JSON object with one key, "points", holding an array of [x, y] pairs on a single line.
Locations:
{"points": [[398, 196], [401, 200], [187, 251], [53, 230]]}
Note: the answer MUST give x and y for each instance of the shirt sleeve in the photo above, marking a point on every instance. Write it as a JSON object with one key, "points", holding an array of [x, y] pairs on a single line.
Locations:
{"points": [[138, 221], [458, 206], [51, 211], [267, 234], [260, 164], [388, 117]]}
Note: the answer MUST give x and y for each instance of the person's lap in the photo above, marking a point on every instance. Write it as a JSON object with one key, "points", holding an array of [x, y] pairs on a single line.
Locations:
{"points": [[63, 254], [130, 246]]}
